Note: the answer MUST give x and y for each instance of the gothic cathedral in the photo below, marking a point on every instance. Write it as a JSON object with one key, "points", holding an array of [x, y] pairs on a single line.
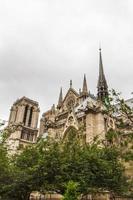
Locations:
{"points": [[75, 109]]}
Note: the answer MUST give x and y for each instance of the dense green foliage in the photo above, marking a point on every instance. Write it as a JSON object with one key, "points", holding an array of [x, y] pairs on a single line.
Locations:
{"points": [[69, 167], [50, 165]]}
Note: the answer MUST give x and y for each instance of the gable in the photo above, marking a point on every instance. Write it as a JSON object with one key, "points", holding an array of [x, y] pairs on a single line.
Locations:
{"points": [[71, 97], [71, 92]]}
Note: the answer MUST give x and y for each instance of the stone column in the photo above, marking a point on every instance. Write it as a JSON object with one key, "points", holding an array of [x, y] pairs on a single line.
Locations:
{"points": [[42, 127], [28, 116], [20, 114], [35, 116], [12, 114], [10, 118], [34, 137], [33, 121], [100, 126], [89, 127]]}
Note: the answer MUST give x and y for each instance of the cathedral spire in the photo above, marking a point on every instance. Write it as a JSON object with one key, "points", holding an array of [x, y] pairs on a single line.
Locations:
{"points": [[60, 99], [102, 84]]}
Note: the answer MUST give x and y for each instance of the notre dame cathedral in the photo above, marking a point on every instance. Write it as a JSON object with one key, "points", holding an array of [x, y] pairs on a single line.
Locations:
{"points": [[75, 109]]}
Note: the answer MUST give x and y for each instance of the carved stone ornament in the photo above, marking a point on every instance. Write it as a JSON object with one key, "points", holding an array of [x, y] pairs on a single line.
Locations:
{"points": [[49, 123], [70, 102], [110, 123], [94, 106]]}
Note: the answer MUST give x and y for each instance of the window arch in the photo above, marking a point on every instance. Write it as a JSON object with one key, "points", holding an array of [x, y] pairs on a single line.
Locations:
{"points": [[70, 133]]}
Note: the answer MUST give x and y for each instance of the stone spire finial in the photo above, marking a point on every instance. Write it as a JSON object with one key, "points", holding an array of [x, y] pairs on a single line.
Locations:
{"points": [[79, 91], [60, 99], [102, 84], [71, 83], [53, 108], [84, 92], [85, 89]]}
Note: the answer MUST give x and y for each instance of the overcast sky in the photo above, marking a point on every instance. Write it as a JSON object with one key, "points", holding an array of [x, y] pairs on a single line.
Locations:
{"points": [[45, 43]]}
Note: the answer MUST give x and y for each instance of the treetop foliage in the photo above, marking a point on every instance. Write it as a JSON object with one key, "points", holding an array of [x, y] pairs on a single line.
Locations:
{"points": [[70, 166]]}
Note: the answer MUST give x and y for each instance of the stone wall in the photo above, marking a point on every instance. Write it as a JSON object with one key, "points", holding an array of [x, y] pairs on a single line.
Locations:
{"points": [[99, 196]]}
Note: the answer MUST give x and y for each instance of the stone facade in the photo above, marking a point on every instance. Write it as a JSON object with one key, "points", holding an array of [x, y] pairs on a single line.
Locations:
{"points": [[23, 122], [77, 112], [77, 109]]}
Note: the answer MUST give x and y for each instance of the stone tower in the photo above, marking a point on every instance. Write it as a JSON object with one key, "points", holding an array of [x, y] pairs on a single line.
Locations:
{"points": [[23, 122], [102, 83]]}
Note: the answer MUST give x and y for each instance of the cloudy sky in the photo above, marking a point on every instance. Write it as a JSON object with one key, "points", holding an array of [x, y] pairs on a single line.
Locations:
{"points": [[45, 43]]}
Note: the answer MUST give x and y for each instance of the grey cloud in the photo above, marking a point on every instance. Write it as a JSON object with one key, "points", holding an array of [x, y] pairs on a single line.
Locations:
{"points": [[44, 44]]}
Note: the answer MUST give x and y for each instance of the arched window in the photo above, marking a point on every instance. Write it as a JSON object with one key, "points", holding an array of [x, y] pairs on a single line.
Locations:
{"points": [[25, 114], [30, 117], [71, 133]]}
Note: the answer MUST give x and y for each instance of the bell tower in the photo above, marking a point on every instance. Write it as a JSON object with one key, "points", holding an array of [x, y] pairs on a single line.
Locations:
{"points": [[23, 121]]}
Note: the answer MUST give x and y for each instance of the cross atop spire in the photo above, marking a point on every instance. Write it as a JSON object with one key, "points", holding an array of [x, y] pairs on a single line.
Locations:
{"points": [[60, 99], [71, 83], [102, 84]]}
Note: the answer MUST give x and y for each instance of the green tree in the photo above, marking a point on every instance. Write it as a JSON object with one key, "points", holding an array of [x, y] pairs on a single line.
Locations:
{"points": [[71, 192], [5, 166], [49, 165], [25, 174]]}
